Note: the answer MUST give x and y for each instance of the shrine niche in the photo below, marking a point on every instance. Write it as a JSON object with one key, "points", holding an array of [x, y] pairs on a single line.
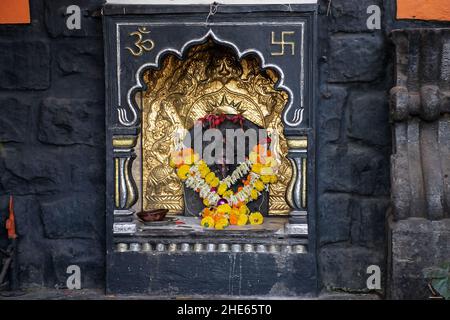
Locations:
{"points": [[210, 79], [168, 74]]}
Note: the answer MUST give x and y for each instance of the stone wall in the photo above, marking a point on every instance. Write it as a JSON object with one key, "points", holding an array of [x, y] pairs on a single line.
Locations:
{"points": [[353, 145], [52, 152], [52, 149]]}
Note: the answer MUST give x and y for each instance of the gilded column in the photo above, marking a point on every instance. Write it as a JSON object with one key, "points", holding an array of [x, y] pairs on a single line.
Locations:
{"points": [[297, 191], [125, 189]]}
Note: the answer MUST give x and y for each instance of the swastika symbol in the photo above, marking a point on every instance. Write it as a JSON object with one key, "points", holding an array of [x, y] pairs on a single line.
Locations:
{"points": [[282, 43]]}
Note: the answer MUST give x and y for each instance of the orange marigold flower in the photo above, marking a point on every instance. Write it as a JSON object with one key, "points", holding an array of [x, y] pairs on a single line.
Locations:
{"points": [[234, 219]]}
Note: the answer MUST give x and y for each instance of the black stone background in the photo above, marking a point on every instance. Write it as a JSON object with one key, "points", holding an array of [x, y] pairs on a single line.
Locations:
{"points": [[52, 149]]}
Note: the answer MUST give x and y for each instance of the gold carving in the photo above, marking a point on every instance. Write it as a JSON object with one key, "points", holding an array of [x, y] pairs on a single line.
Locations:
{"points": [[304, 184], [290, 187], [124, 141], [210, 79], [116, 183], [141, 44], [283, 43], [298, 143]]}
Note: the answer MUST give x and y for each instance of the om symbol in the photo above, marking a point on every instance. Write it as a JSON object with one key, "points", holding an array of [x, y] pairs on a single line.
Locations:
{"points": [[141, 44]]}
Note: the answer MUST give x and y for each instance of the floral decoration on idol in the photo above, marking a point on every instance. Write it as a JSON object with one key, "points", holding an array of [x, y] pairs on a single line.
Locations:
{"points": [[223, 205]]}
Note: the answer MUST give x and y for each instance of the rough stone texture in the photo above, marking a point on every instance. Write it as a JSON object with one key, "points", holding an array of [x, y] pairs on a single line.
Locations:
{"points": [[56, 16], [353, 146], [353, 168], [44, 174], [75, 216], [350, 264], [350, 16], [416, 244], [71, 121], [420, 169], [356, 57], [419, 106], [14, 122], [52, 156], [334, 218], [22, 70], [369, 110], [332, 112]]}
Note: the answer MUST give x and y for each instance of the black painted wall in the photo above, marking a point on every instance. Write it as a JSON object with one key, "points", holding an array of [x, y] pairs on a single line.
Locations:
{"points": [[52, 149]]}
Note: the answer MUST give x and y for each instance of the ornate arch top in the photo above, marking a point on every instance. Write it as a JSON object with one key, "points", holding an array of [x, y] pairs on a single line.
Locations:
{"points": [[181, 54]]}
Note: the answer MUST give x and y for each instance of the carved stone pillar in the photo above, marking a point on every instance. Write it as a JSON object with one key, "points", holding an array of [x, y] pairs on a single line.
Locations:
{"points": [[419, 228], [296, 193], [125, 190]]}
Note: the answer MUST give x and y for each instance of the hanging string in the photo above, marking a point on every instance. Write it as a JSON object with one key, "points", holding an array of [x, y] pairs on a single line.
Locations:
{"points": [[212, 10]]}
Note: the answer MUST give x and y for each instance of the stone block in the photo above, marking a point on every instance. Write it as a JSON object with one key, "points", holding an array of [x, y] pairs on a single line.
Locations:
{"points": [[87, 170], [25, 65], [32, 170], [351, 15], [14, 121], [87, 254], [356, 57], [83, 57], [368, 118], [71, 121], [416, 244], [56, 17], [344, 267], [368, 221], [74, 216], [334, 218], [332, 103], [353, 169]]}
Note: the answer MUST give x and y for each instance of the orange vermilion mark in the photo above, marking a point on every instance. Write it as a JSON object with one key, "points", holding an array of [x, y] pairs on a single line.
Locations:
{"points": [[424, 9], [14, 11], [10, 222]]}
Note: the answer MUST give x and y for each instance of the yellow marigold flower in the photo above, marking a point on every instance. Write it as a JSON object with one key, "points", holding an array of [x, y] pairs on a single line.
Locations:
{"points": [[210, 177], [204, 171], [183, 172], [206, 202], [265, 179], [254, 194], [243, 210], [259, 185], [222, 188], [256, 168], [215, 182], [224, 208], [202, 165], [228, 194], [256, 218], [242, 220], [273, 179], [221, 224], [207, 222]]}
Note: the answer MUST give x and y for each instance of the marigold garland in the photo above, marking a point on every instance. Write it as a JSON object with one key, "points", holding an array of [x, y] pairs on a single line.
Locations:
{"points": [[223, 206]]}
